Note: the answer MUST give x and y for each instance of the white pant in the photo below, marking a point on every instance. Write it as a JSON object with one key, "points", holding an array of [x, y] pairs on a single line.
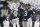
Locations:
{"points": [[24, 23], [27, 23], [15, 22], [6, 23]]}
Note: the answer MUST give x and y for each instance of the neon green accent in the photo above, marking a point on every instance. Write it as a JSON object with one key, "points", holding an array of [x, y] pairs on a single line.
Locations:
{"points": [[25, 13], [4, 12], [15, 13], [11, 11]]}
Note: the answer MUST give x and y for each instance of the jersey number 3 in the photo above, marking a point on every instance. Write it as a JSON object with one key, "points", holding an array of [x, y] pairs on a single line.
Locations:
{"points": [[25, 13]]}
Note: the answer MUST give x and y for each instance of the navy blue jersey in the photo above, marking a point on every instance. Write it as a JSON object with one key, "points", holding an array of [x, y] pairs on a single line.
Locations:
{"points": [[20, 14], [3, 13], [25, 13], [20, 10]]}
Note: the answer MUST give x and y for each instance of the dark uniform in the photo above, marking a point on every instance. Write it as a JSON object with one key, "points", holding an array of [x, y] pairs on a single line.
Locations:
{"points": [[20, 10], [3, 12], [3, 17], [27, 14]]}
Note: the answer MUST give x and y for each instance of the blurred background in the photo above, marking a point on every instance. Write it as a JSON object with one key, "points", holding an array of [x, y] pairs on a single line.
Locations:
{"points": [[34, 3]]}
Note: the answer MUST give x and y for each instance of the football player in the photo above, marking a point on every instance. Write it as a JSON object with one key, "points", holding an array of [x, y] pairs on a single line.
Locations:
{"points": [[34, 18], [4, 11], [20, 10], [13, 16], [27, 13]]}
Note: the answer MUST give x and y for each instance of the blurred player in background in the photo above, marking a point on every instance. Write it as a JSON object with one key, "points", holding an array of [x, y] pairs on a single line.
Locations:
{"points": [[39, 19], [34, 18], [20, 10], [4, 11], [14, 19]]}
